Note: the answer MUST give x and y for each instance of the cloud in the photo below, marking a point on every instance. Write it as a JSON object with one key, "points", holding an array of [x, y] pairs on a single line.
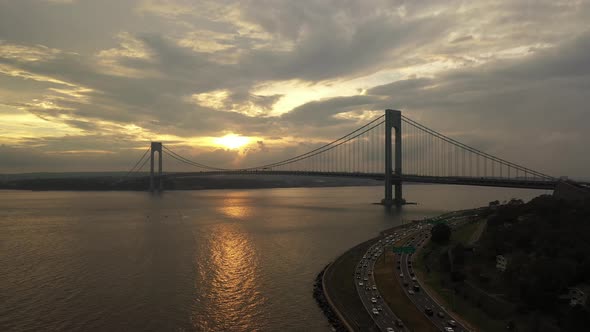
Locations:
{"points": [[321, 113], [60, 1], [508, 106], [490, 73]]}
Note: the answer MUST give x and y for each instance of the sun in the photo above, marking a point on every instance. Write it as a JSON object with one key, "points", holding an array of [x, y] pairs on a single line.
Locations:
{"points": [[232, 141]]}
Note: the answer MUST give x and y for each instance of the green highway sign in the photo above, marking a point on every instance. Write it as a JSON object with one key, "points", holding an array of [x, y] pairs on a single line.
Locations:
{"points": [[404, 250]]}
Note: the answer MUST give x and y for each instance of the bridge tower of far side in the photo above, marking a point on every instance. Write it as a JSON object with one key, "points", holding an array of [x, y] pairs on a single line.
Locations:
{"points": [[393, 119], [156, 147]]}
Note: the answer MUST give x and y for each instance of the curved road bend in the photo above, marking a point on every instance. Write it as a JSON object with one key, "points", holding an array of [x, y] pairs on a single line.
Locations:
{"points": [[366, 287], [420, 298]]}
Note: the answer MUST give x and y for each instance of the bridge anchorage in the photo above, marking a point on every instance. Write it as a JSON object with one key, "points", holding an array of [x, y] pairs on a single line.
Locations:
{"points": [[391, 147]]}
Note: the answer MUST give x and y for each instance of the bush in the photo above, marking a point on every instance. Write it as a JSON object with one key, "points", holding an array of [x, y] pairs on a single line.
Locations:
{"points": [[457, 276], [441, 233]]}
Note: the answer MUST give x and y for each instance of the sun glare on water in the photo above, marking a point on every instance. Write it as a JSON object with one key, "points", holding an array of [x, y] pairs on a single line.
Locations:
{"points": [[232, 141]]}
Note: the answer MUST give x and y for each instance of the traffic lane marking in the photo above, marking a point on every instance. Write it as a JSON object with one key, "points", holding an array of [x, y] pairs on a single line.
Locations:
{"points": [[404, 260]]}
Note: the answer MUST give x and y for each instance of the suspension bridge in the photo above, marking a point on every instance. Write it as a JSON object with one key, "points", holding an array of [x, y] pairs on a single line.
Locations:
{"points": [[392, 148]]}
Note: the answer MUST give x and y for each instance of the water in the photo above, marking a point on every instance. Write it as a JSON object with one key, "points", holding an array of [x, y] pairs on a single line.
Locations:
{"points": [[217, 260]]}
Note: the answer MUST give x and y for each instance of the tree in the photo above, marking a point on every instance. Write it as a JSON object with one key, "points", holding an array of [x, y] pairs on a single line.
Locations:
{"points": [[459, 254], [458, 276], [577, 319], [546, 279], [441, 233], [516, 201]]}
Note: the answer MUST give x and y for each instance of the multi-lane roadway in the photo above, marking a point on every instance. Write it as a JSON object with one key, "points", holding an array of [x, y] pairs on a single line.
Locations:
{"points": [[435, 312], [366, 287], [383, 316]]}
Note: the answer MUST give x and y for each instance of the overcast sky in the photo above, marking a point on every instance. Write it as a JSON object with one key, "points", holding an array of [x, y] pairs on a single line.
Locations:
{"points": [[86, 84]]}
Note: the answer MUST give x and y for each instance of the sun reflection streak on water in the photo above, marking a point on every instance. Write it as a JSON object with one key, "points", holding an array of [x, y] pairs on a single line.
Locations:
{"points": [[229, 282], [235, 206], [113, 261]]}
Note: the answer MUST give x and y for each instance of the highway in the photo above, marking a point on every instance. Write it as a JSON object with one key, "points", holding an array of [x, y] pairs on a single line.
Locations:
{"points": [[439, 317], [385, 319]]}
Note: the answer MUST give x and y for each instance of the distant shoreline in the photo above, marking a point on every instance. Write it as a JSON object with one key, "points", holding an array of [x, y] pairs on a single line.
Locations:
{"points": [[189, 189], [212, 182]]}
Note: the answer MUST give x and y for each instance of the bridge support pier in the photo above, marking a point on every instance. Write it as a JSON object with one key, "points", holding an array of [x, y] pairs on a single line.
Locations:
{"points": [[156, 147], [393, 119]]}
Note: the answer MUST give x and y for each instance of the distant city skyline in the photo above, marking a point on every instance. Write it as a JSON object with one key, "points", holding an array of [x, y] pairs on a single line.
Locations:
{"points": [[86, 85]]}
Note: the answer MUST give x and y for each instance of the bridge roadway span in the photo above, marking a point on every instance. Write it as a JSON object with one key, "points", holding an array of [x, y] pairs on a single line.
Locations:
{"points": [[528, 183]]}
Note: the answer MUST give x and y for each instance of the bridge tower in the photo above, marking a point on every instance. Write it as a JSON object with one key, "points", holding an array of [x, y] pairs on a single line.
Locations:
{"points": [[393, 119], [156, 147]]}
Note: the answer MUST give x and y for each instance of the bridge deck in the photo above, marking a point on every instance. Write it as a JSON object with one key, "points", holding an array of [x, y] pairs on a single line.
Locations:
{"points": [[468, 181]]}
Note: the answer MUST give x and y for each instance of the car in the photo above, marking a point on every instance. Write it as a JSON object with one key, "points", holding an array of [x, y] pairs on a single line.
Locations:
{"points": [[416, 288], [411, 292], [452, 323], [449, 329], [366, 279], [358, 277], [375, 311], [414, 279], [440, 314], [378, 296], [360, 283], [390, 329], [373, 300], [428, 311], [379, 308], [399, 323], [401, 275], [374, 287]]}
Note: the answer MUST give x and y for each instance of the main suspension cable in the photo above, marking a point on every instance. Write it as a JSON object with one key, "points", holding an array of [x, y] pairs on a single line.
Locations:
{"points": [[132, 170]]}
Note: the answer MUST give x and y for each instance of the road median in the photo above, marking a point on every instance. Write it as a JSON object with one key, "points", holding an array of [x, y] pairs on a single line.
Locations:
{"points": [[395, 296]]}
